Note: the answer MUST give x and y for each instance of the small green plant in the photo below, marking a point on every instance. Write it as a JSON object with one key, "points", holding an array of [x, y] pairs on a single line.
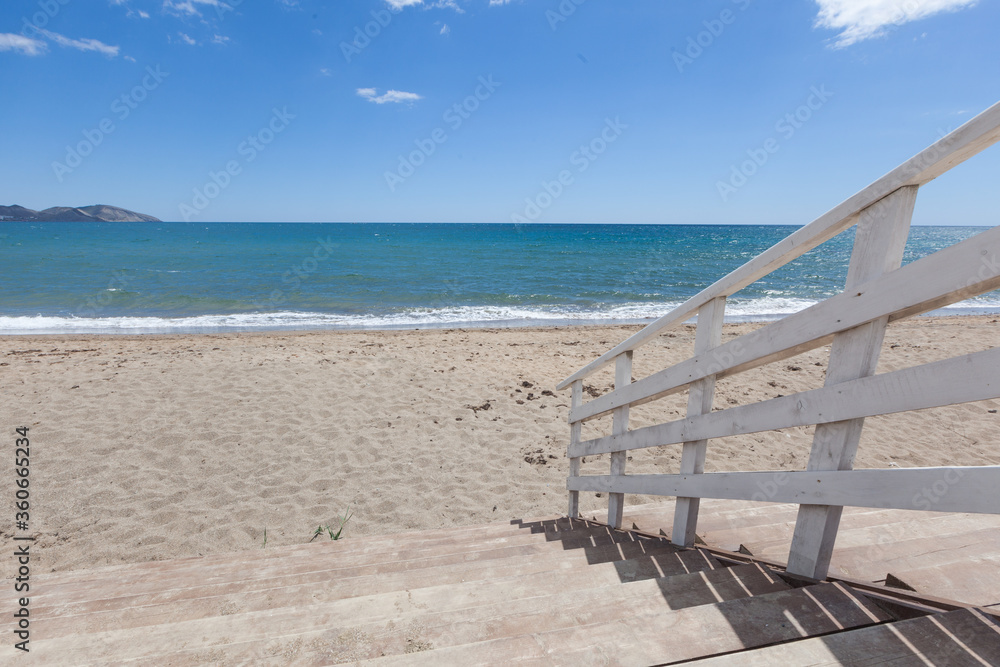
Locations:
{"points": [[265, 538], [329, 529]]}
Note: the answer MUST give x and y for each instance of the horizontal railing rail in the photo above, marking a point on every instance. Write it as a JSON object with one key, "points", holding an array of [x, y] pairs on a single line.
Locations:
{"points": [[970, 489], [878, 290]]}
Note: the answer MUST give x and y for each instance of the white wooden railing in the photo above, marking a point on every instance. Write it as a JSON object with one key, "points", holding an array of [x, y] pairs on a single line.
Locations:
{"points": [[877, 291]]}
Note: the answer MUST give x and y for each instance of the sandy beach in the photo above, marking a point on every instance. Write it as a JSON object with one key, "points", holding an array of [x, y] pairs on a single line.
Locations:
{"points": [[153, 447]]}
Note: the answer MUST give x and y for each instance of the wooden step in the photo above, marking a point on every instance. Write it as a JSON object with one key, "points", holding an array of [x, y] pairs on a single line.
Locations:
{"points": [[872, 561], [727, 524], [362, 604], [763, 526], [399, 550], [161, 598], [973, 580], [138, 579], [322, 633], [353, 579], [963, 637], [776, 536], [569, 609], [886, 531], [663, 638], [727, 529], [408, 541]]}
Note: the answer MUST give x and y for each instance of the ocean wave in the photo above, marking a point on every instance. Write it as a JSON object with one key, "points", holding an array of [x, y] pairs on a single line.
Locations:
{"points": [[438, 317], [760, 309]]}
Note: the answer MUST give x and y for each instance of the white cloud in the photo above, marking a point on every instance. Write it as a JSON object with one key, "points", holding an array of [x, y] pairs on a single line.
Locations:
{"points": [[325, 71], [26, 45], [131, 12], [396, 96], [130, 59], [863, 19], [437, 4], [34, 47], [445, 29], [81, 44], [219, 39], [188, 6], [186, 39]]}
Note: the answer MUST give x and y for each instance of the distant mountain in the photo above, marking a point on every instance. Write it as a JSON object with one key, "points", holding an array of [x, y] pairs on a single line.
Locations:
{"points": [[96, 213], [115, 214], [16, 212]]}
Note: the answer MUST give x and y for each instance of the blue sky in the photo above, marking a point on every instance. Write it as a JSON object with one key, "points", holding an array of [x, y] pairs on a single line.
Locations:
{"points": [[480, 110]]}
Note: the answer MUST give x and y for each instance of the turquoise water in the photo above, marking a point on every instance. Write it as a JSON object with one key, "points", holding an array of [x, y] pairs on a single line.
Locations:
{"points": [[155, 277]]}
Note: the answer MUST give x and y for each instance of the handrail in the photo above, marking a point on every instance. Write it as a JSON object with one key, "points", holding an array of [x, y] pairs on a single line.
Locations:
{"points": [[971, 138], [877, 291], [878, 489]]}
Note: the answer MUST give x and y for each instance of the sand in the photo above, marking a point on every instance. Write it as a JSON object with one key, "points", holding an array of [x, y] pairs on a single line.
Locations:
{"points": [[154, 447]]}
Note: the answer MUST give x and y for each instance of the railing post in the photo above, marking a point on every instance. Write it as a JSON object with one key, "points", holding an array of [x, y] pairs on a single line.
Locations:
{"points": [[574, 438], [623, 376], [878, 248], [708, 335]]}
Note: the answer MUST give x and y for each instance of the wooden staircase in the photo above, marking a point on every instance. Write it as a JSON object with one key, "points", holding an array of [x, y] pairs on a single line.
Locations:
{"points": [[550, 592]]}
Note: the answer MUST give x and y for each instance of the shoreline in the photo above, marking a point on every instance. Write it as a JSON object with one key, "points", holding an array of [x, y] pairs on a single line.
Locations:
{"points": [[158, 446], [984, 311]]}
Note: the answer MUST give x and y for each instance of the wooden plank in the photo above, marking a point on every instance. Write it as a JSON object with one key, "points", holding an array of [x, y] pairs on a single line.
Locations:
{"points": [[958, 146], [965, 489], [574, 438], [878, 249], [952, 274], [869, 553], [365, 606], [492, 616], [161, 602], [962, 637], [410, 542], [675, 636], [708, 335], [368, 550], [973, 580], [970, 377], [880, 532], [623, 377], [770, 538], [536, 552]]}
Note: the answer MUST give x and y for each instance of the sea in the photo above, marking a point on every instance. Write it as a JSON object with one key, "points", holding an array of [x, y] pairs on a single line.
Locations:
{"points": [[217, 277]]}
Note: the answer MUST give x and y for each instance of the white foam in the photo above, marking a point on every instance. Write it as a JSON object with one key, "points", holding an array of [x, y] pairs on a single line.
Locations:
{"points": [[766, 308]]}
